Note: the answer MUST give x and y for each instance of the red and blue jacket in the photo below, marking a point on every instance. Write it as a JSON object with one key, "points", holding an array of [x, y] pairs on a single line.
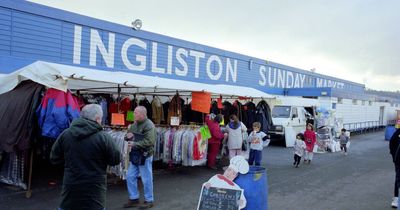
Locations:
{"points": [[56, 112]]}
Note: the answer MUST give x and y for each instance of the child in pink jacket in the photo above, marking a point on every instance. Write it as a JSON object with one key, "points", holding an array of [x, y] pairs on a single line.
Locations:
{"points": [[310, 139]]}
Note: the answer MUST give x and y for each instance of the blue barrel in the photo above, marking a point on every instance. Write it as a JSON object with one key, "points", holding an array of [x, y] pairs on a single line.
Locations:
{"points": [[255, 186], [389, 131]]}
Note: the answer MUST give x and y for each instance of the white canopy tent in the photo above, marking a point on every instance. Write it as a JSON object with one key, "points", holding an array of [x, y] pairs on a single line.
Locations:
{"points": [[63, 77]]}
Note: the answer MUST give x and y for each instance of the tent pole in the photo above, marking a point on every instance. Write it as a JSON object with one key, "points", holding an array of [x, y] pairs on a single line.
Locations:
{"points": [[29, 190], [119, 96]]}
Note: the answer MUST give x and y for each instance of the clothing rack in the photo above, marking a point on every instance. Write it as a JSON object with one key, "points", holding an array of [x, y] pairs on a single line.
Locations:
{"points": [[193, 126], [159, 93], [116, 127]]}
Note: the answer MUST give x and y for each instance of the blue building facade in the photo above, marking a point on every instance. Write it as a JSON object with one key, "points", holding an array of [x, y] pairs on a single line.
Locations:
{"points": [[30, 32]]}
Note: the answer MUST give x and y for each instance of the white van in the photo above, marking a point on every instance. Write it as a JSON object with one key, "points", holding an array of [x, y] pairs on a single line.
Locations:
{"points": [[287, 122]]}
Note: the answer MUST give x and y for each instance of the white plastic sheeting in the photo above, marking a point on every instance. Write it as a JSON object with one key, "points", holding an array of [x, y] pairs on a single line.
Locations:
{"points": [[63, 77]]}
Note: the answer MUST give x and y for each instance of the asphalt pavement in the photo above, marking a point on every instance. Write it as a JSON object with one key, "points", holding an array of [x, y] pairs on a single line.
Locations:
{"points": [[361, 180]]}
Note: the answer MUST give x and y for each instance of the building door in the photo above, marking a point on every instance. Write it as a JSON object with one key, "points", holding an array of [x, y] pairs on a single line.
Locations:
{"points": [[381, 113]]}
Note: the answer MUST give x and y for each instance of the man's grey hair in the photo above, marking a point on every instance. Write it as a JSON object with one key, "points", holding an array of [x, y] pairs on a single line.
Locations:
{"points": [[92, 111], [142, 110]]}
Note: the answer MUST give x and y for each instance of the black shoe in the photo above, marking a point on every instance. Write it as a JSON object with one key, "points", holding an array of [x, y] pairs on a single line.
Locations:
{"points": [[132, 203], [146, 205], [297, 166], [294, 163]]}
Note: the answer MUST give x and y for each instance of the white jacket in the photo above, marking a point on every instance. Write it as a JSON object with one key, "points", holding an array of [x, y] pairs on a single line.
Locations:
{"points": [[235, 136], [299, 147]]}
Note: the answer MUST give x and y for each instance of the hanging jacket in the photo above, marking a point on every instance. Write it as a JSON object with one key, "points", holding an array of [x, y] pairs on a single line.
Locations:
{"points": [[267, 110], [175, 108], [216, 133], [190, 116], [310, 139], [249, 114], [214, 108], [195, 116], [134, 103], [166, 110], [157, 110], [263, 115], [57, 110], [17, 116], [125, 106], [228, 110], [237, 109], [260, 117], [147, 104]]}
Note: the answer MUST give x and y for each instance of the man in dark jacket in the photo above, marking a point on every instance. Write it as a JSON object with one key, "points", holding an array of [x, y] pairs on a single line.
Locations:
{"points": [[86, 150], [145, 128], [395, 152]]}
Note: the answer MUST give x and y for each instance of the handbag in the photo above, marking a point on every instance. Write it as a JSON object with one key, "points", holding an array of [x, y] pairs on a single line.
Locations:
{"points": [[244, 145], [136, 157]]}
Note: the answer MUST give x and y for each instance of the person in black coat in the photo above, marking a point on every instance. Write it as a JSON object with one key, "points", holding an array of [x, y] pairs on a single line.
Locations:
{"points": [[395, 152], [85, 150]]}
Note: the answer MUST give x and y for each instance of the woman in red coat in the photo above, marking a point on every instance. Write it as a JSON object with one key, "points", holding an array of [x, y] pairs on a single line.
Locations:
{"points": [[215, 141], [310, 139]]}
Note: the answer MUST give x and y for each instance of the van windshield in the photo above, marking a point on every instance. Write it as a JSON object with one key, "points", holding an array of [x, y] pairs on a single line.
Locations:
{"points": [[281, 112]]}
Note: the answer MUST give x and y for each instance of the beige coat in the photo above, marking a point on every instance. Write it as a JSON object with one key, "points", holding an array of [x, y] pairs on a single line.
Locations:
{"points": [[157, 110]]}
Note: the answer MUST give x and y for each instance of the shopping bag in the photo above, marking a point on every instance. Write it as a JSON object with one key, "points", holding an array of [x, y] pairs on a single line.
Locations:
{"points": [[130, 116], [205, 132]]}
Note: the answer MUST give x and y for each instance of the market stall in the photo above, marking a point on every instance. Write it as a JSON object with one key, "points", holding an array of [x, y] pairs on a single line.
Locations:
{"points": [[183, 142]]}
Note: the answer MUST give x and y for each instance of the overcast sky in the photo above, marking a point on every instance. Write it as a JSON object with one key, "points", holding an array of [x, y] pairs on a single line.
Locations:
{"points": [[356, 40]]}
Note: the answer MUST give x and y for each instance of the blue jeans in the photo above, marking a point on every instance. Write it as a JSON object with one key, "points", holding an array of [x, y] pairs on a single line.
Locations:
{"points": [[146, 174], [255, 156]]}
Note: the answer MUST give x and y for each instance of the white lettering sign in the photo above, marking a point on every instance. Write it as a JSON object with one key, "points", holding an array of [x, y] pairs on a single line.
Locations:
{"points": [[329, 83], [97, 43], [178, 63], [210, 60], [139, 58], [160, 58], [278, 78]]}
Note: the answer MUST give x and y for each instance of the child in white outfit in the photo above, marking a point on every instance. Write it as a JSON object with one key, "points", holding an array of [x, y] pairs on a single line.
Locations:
{"points": [[299, 147], [256, 139]]}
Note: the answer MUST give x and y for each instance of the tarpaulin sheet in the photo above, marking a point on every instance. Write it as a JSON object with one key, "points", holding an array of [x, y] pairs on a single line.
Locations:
{"points": [[17, 116]]}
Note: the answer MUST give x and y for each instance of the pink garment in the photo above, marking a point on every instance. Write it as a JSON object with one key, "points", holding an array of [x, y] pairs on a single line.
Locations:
{"points": [[310, 139]]}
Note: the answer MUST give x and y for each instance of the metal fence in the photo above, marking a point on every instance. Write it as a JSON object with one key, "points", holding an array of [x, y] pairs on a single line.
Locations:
{"points": [[363, 127]]}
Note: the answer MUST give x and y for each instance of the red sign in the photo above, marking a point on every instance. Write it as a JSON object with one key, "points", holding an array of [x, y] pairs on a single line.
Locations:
{"points": [[201, 102]]}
